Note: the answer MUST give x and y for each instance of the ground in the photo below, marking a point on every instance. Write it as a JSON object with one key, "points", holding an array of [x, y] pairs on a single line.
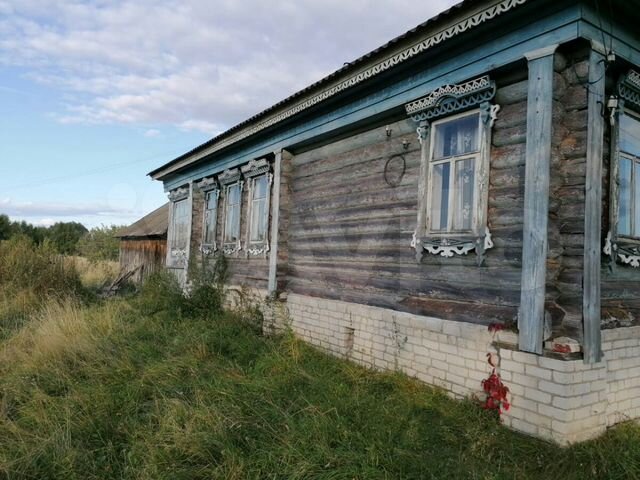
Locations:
{"points": [[154, 386]]}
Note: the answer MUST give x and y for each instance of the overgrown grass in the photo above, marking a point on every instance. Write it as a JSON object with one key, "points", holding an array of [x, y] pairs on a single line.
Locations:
{"points": [[95, 274], [149, 388], [31, 275]]}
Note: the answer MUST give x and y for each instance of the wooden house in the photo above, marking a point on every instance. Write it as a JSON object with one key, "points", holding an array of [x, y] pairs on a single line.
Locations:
{"points": [[483, 168], [143, 245]]}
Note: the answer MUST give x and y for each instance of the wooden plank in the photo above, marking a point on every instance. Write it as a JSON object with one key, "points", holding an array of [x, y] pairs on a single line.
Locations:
{"points": [[593, 210], [275, 222], [536, 200]]}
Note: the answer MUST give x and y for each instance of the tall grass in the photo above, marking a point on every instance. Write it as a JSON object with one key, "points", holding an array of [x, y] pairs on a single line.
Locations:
{"points": [[168, 386], [95, 274], [148, 388], [30, 275]]}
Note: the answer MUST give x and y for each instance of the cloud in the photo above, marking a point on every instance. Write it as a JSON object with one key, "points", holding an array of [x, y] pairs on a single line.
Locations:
{"points": [[152, 132], [48, 209], [198, 65], [45, 222]]}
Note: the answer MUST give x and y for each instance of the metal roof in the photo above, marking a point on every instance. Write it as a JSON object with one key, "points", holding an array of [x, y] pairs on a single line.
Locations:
{"points": [[348, 68], [154, 224]]}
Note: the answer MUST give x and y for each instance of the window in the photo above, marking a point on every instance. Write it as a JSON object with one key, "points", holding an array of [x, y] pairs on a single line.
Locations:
{"points": [[259, 210], [622, 244], [629, 177], [210, 217], [232, 215], [454, 130], [180, 225], [452, 190]]}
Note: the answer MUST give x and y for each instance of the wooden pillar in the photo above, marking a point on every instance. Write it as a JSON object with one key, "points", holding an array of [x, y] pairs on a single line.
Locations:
{"points": [[277, 219], [536, 199], [593, 208], [189, 233]]}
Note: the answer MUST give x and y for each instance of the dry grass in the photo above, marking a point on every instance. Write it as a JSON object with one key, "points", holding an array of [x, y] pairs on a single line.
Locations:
{"points": [[95, 274], [61, 331]]}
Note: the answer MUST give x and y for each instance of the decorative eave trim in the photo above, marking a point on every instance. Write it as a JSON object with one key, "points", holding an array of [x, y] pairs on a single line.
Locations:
{"points": [[458, 28], [255, 168], [207, 184], [229, 176], [452, 98], [178, 194], [629, 88]]}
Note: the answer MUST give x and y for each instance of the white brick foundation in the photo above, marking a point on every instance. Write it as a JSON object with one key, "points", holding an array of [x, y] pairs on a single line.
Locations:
{"points": [[559, 400]]}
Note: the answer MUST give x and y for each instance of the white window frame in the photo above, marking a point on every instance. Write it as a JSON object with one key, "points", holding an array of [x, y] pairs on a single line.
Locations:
{"points": [[258, 247], [233, 247], [444, 104], [622, 249], [210, 218], [474, 231], [174, 231], [177, 254]]}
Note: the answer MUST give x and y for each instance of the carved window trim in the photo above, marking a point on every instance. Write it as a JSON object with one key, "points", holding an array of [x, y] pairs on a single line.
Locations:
{"points": [[449, 102], [177, 256], [232, 248], [210, 187], [261, 247], [621, 249], [252, 171]]}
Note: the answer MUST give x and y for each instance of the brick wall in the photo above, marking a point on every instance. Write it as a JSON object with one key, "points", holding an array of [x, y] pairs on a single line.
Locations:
{"points": [[564, 401]]}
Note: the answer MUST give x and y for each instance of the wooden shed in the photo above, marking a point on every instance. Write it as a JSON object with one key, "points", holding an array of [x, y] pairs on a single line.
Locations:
{"points": [[143, 245]]}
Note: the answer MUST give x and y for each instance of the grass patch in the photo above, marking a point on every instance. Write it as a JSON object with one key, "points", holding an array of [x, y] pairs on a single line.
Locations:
{"points": [[159, 386], [149, 388]]}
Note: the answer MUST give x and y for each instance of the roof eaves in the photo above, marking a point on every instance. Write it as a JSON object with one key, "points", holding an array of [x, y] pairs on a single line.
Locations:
{"points": [[358, 75]]}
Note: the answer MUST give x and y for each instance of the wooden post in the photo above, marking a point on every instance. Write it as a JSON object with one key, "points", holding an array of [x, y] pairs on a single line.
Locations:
{"points": [[275, 224], [536, 199], [424, 138], [189, 233], [593, 209]]}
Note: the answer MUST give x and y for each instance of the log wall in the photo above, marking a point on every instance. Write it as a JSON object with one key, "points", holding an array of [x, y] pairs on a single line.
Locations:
{"points": [[151, 253], [351, 231]]}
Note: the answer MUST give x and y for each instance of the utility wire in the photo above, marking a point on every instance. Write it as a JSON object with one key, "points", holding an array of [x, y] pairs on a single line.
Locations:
{"points": [[103, 169]]}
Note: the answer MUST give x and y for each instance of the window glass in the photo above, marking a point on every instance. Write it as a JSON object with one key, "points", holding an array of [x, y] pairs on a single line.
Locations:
{"points": [[456, 137], [259, 214], [624, 201], [180, 225], [210, 218], [232, 218], [630, 135], [440, 197], [636, 200], [464, 194]]}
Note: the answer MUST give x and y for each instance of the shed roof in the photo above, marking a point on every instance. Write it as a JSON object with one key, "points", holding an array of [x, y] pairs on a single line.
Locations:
{"points": [[154, 224], [400, 49]]}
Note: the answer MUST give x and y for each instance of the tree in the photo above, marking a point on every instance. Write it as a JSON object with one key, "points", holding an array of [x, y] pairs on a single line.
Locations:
{"points": [[6, 227], [65, 236], [100, 243]]}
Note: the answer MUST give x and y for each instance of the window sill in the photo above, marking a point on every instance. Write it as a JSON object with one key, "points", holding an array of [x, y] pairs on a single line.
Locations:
{"points": [[626, 250], [450, 245], [256, 249]]}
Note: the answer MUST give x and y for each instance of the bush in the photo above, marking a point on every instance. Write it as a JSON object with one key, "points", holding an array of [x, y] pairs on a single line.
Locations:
{"points": [[206, 295], [161, 292], [29, 275], [39, 268], [100, 243]]}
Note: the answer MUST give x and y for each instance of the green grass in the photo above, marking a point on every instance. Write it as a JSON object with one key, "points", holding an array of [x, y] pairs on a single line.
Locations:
{"points": [[137, 389]]}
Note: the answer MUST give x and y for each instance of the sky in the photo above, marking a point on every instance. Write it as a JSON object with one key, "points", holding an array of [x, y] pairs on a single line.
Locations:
{"points": [[95, 94]]}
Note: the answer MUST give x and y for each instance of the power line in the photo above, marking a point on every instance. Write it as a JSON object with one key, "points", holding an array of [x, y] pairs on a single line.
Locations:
{"points": [[87, 173]]}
